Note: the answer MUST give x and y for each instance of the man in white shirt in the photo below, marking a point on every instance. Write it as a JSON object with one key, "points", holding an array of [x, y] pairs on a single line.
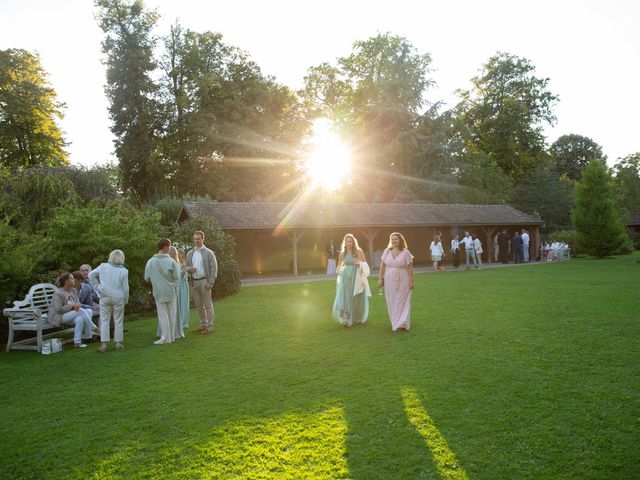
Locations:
{"points": [[525, 245], [203, 269], [469, 249]]}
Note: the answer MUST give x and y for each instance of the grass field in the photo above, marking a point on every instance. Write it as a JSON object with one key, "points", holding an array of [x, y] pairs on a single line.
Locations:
{"points": [[517, 373]]}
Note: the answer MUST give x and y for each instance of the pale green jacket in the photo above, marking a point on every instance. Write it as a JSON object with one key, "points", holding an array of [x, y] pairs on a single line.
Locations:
{"points": [[164, 274]]}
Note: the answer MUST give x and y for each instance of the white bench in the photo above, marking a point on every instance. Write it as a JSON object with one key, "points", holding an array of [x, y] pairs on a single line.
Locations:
{"points": [[30, 314]]}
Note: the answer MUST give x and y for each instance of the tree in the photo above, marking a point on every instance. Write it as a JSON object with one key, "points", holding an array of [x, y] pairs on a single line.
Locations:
{"points": [[572, 153], [547, 195], [375, 95], [29, 135], [627, 183], [599, 231], [128, 45], [504, 114]]}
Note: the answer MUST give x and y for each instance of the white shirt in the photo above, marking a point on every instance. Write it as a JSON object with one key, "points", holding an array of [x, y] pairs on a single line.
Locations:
{"points": [[455, 244], [468, 242], [436, 248], [477, 244], [197, 262], [525, 238]]}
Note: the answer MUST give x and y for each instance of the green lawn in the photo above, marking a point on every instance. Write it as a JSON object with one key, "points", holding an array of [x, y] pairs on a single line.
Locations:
{"points": [[514, 373]]}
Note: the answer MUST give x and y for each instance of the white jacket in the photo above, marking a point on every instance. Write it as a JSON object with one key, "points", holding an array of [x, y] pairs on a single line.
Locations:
{"points": [[362, 281], [110, 281]]}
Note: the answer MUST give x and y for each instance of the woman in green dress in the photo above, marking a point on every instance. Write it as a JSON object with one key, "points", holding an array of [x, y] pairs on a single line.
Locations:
{"points": [[183, 292], [349, 309]]}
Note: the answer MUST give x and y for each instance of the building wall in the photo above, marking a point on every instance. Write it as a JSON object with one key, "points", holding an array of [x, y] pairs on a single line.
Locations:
{"points": [[259, 251]]}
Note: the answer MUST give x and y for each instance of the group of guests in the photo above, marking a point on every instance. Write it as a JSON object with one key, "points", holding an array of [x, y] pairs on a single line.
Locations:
{"points": [[351, 304], [472, 247], [175, 276], [87, 293], [553, 251]]}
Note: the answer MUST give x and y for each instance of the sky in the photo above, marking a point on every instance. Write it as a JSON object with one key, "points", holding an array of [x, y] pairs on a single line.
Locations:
{"points": [[590, 50]]}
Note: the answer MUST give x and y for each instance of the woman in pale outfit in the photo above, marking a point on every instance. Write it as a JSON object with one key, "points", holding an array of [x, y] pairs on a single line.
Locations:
{"points": [[436, 252], [396, 277], [182, 302], [331, 259], [477, 248], [65, 309], [183, 291], [350, 308], [111, 281]]}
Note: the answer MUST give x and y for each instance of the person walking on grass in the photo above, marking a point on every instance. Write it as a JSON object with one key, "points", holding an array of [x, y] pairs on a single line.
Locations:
{"points": [[203, 270], [396, 277], [351, 304], [164, 274]]}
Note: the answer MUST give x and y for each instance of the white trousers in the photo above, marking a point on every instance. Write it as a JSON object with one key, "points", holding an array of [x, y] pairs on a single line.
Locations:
{"points": [[167, 318], [109, 307], [82, 322]]}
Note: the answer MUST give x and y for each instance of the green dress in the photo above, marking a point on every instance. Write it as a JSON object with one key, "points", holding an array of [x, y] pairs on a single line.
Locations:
{"points": [[183, 299], [347, 308]]}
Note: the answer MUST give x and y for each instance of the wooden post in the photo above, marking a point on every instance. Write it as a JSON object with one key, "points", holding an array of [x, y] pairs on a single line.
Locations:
{"points": [[536, 242], [489, 245], [295, 237], [370, 235]]}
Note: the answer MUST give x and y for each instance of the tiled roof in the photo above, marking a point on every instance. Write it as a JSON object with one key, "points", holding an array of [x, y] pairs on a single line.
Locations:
{"points": [[264, 215], [634, 218]]}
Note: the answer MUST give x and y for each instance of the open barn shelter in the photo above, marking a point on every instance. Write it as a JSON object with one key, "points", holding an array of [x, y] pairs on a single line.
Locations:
{"points": [[280, 237]]}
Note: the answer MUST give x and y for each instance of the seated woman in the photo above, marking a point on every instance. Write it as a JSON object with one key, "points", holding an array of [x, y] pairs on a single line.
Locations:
{"points": [[65, 309], [85, 295]]}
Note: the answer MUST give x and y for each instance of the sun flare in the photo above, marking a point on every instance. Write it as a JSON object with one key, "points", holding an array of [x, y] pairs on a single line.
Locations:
{"points": [[329, 161]]}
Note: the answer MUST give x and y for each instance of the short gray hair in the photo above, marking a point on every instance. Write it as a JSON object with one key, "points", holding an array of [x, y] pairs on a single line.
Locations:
{"points": [[116, 257]]}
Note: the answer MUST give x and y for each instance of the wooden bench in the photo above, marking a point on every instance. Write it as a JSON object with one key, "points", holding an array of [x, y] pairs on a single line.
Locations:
{"points": [[30, 314]]}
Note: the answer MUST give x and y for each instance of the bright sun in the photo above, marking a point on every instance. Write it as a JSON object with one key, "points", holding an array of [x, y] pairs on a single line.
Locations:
{"points": [[329, 161]]}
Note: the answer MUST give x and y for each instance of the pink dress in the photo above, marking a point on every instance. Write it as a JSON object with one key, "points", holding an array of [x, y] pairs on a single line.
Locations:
{"points": [[396, 288]]}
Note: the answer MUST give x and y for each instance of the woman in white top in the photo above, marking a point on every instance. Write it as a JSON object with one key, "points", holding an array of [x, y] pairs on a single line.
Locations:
{"points": [[111, 281], [436, 252], [477, 247]]}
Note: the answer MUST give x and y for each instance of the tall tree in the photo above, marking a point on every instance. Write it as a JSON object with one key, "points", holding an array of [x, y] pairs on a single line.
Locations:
{"points": [[128, 45], [627, 183], [599, 231], [504, 114], [571, 154], [29, 135], [375, 95]]}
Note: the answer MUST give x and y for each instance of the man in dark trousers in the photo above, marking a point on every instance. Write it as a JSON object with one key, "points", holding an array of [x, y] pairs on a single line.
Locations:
{"points": [[503, 247], [516, 246]]}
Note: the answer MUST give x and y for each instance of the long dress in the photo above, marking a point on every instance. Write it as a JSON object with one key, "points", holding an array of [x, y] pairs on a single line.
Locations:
{"points": [[182, 305], [349, 309], [396, 288], [183, 300]]}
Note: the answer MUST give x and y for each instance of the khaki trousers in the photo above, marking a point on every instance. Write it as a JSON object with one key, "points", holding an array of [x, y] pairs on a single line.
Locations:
{"points": [[167, 318], [111, 308], [202, 298]]}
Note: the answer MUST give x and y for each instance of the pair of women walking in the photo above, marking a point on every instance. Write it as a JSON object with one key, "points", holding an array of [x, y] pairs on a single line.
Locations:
{"points": [[351, 305]]}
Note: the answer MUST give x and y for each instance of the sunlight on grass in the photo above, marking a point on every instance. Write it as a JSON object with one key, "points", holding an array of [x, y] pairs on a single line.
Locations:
{"points": [[291, 446], [445, 460]]}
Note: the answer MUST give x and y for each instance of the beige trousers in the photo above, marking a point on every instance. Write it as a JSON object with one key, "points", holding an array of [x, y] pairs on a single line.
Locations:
{"points": [[202, 298]]}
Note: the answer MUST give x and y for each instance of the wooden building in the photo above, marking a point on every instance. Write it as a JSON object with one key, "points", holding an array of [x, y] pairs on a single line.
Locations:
{"points": [[279, 237]]}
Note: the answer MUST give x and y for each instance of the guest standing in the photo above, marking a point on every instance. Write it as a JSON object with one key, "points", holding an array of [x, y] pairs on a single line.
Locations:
{"points": [[525, 245], [469, 250], [516, 246], [349, 307], [436, 252], [396, 276], [477, 249], [455, 251], [164, 274], [111, 280], [178, 332], [183, 291], [65, 309], [203, 270], [331, 254]]}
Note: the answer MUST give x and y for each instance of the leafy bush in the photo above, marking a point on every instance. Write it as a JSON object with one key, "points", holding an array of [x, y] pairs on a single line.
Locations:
{"points": [[170, 207], [222, 244], [20, 254], [78, 235]]}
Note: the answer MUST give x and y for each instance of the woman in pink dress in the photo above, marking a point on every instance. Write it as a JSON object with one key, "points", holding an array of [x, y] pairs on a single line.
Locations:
{"points": [[396, 276]]}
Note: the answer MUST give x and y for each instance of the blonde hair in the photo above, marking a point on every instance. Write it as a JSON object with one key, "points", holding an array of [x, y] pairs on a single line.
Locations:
{"points": [[403, 242], [173, 253], [182, 256], [116, 257], [356, 247]]}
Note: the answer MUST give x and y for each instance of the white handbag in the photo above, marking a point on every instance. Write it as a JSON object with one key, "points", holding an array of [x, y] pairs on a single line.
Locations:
{"points": [[53, 345]]}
